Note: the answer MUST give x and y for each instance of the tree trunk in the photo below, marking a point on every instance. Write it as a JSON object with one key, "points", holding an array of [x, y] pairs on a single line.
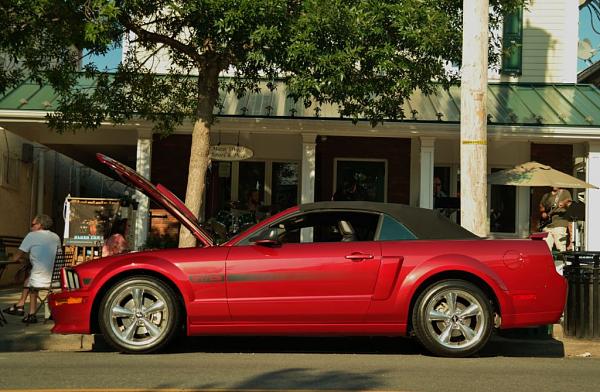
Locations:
{"points": [[473, 118], [196, 177], [208, 83]]}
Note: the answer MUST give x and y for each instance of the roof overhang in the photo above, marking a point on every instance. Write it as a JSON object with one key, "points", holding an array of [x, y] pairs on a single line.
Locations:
{"points": [[516, 111]]}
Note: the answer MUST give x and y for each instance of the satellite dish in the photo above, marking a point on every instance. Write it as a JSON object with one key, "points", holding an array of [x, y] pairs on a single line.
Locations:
{"points": [[585, 51]]}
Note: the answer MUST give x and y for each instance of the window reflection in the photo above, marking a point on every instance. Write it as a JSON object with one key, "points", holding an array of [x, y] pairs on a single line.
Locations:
{"points": [[503, 208], [284, 185]]}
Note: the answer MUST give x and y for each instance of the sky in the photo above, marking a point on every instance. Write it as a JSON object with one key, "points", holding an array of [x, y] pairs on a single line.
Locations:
{"points": [[109, 61], [113, 57], [586, 31]]}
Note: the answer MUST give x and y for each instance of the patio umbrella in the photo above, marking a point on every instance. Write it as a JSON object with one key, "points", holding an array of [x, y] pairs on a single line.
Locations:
{"points": [[536, 174]]}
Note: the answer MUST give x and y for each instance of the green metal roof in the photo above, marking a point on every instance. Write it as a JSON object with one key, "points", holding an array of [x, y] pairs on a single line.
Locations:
{"points": [[508, 104]]}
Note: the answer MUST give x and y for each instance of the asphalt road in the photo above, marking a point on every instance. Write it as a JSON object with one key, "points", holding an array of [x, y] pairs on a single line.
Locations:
{"points": [[298, 364]]}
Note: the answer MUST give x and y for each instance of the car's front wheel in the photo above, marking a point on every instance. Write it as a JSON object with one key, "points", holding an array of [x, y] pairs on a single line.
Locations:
{"points": [[453, 318], [139, 314]]}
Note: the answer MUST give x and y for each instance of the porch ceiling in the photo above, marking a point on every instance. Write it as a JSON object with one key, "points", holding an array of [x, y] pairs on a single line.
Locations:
{"points": [[540, 105], [86, 155]]}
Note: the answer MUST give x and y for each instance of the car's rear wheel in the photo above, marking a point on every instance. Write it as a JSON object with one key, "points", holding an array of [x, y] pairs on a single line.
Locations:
{"points": [[453, 318], [139, 315]]}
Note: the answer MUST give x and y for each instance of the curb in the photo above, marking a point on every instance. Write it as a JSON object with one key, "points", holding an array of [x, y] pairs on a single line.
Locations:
{"points": [[16, 336]]}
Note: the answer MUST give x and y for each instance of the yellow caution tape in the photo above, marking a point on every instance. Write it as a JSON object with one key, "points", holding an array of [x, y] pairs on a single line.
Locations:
{"points": [[483, 142]]}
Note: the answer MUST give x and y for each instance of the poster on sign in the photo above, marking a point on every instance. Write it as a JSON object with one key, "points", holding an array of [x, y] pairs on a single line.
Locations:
{"points": [[87, 220]]}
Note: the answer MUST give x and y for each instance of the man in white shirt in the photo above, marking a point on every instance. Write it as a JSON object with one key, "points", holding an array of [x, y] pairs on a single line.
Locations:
{"points": [[39, 247]]}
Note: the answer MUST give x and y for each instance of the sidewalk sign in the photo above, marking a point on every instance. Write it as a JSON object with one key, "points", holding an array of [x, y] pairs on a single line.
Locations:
{"points": [[87, 220]]}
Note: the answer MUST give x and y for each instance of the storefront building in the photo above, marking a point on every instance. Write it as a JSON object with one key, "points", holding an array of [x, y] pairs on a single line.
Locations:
{"points": [[536, 111]]}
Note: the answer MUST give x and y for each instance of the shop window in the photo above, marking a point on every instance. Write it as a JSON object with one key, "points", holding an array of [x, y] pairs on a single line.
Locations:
{"points": [[512, 43], [252, 183], [360, 180], [284, 185], [503, 208], [219, 187], [441, 175]]}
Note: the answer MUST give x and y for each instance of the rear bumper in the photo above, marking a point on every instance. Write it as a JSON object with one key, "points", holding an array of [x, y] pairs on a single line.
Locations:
{"points": [[71, 312], [540, 307]]}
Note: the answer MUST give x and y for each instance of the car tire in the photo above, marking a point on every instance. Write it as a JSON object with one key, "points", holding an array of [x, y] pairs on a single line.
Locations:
{"points": [[139, 314], [453, 318]]}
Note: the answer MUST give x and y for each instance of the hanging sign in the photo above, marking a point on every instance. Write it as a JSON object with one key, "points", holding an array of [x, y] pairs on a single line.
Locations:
{"points": [[230, 152]]}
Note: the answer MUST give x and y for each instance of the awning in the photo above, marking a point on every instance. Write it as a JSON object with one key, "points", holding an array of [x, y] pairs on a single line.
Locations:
{"points": [[570, 105]]}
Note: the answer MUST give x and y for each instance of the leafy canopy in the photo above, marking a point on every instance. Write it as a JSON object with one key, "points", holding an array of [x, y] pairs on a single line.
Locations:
{"points": [[366, 55]]}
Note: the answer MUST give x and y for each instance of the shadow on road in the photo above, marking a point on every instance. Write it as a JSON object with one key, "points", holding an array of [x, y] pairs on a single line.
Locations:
{"points": [[498, 346], [517, 347], [309, 379]]}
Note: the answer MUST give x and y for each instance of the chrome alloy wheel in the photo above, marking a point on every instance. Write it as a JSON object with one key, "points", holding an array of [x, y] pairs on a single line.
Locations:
{"points": [[139, 315], [455, 318]]}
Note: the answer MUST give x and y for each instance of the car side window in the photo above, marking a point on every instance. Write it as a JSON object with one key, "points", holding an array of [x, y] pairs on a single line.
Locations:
{"points": [[392, 230], [326, 226]]}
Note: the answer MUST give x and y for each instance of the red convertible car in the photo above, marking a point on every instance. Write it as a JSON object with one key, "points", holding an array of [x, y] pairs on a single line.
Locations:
{"points": [[328, 268]]}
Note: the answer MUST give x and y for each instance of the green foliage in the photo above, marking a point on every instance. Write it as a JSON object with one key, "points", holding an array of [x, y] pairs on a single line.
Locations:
{"points": [[370, 55], [366, 55]]}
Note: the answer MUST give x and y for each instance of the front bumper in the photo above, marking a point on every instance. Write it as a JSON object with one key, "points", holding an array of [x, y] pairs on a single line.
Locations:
{"points": [[71, 312]]}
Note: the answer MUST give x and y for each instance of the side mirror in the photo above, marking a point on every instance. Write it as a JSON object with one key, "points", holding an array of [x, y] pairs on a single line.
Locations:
{"points": [[269, 243], [270, 238]]}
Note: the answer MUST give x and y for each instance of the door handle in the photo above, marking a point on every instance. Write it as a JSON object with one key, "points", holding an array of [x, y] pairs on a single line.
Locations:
{"points": [[357, 256]]}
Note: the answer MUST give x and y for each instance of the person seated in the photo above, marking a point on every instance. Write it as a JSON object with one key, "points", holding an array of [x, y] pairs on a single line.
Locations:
{"points": [[38, 250], [116, 243]]}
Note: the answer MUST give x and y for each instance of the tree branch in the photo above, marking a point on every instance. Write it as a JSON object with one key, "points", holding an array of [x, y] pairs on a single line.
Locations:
{"points": [[162, 39]]}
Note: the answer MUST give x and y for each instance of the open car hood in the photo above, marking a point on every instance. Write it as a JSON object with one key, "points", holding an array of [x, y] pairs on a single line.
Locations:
{"points": [[160, 195]]}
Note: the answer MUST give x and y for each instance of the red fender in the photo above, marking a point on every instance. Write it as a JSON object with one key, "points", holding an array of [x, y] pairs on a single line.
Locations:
{"points": [[440, 264]]}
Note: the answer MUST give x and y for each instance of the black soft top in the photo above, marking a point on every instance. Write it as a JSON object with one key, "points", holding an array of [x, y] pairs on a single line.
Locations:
{"points": [[425, 224]]}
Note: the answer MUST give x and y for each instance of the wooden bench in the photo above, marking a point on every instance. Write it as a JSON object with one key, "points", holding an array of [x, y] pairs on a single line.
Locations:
{"points": [[9, 242], [8, 247]]}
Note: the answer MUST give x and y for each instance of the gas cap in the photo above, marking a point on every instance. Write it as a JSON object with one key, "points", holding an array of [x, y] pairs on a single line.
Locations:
{"points": [[513, 259]]}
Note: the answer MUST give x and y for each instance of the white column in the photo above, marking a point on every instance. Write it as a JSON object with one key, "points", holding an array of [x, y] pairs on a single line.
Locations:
{"points": [[309, 161], [41, 184], [592, 199], [415, 171], [309, 149], [427, 161], [142, 218]]}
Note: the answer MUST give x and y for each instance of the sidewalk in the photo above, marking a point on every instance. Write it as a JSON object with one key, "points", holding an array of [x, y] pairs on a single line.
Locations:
{"points": [[17, 336]]}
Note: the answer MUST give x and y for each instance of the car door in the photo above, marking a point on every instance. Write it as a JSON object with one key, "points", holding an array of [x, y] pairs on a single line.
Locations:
{"points": [[327, 279]]}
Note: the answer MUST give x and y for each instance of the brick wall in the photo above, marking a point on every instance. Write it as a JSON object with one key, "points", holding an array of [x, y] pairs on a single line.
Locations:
{"points": [[170, 160]]}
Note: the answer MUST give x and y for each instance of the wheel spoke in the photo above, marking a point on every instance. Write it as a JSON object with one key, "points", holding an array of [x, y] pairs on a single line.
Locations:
{"points": [[152, 329], [451, 301], [472, 310], [138, 315], [130, 331], [138, 297], [444, 337], [155, 307], [466, 331], [119, 311], [435, 315]]}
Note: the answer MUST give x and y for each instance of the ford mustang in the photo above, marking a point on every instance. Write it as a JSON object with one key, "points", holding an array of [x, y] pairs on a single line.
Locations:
{"points": [[326, 268]]}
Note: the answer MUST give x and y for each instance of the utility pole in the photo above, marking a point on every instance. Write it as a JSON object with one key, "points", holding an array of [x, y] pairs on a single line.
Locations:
{"points": [[473, 118]]}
